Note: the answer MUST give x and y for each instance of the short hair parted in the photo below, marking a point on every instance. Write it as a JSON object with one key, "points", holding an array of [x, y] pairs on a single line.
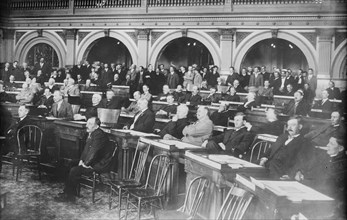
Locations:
{"points": [[298, 118], [241, 114]]}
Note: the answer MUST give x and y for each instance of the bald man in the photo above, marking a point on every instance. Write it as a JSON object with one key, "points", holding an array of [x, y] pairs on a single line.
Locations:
{"points": [[144, 120]]}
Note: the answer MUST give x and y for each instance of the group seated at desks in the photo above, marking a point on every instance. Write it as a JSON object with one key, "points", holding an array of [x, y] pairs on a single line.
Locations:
{"points": [[297, 154]]}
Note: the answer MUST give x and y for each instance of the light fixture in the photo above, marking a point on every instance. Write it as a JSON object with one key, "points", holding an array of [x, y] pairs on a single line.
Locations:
{"points": [[118, 42], [194, 43], [188, 44], [291, 47]]}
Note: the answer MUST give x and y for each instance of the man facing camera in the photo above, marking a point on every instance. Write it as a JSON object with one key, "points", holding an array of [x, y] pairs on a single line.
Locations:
{"points": [[298, 106], [111, 101], [234, 142], [60, 107], [95, 157], [144, 120], [199, 131], [282, 157], [91, 111], [173, 129]]}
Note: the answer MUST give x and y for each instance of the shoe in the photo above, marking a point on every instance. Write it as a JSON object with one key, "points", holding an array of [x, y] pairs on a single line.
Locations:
{"points": [[65, 198]]}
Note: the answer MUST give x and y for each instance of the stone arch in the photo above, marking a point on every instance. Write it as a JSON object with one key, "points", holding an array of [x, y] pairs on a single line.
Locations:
{"points": [[84, 46], [32, 38], [294, 37], [205, 39], [339, 61]]}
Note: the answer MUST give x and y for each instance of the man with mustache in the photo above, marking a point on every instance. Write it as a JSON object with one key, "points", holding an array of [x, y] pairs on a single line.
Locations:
{"points": [[282, 157]]}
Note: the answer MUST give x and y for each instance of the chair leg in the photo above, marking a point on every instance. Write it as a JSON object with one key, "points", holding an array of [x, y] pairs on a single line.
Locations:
{"points": [[110, 198], [126, 207], [14, 163], [120, 202], [19, 168], [93, 189], [39, 168], [139, 210]]}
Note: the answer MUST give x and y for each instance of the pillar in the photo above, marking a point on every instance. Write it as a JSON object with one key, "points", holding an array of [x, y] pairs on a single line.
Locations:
{"points": [[142, 46], [70, 36], [7, 46], [325, 48], [226, 43]]}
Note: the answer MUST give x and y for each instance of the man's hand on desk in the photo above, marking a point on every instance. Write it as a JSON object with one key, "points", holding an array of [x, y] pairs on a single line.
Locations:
{"points": [[263, 161], [285, 177], [299, 176], [174, 118], [83, 165], [204, 143], [125, 127]]}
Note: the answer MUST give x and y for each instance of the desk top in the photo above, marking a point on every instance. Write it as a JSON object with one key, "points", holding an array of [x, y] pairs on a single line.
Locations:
{"points": [[222, 162], [75, 124], [171, 145], [129, 133]]}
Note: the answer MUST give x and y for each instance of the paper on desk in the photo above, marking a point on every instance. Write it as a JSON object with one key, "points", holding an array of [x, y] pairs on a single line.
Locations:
{"points": [[80, 122], [295, 191], [53, 118], [233, 162], [179, 144]]}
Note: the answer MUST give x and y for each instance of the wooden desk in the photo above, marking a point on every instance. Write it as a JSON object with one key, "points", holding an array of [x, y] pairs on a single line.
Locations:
{"points": [[127, 142], [176, 151], [283, 199], [70, 139], [198, 164], [121, 90], [125, 118]]}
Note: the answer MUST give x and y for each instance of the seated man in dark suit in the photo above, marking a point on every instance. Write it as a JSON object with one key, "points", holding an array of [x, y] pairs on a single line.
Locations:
{"points": [[95, 157], [60, 107], [212, 97], [249, 103], [46, 100], [133, 108], [11, 134], [168, 109], [144, 120], [324, 104], [221, 116], [166, 92], [91, 111], [320, 136], [289, 91], [334, 93], [173, 129], [193, 98], [111, 101], [298, 106], [233, 142], [232, 97], [281, 159], [273, 125], [178, 93]]}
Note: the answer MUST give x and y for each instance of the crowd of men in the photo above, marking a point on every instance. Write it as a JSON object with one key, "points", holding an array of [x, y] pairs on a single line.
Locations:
{"points": [[297, 154]]}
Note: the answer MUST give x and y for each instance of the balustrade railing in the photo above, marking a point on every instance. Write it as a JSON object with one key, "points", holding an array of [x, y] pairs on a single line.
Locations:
{"points": [[38, 4], [106, 3], [85, 4], [168, 3]]}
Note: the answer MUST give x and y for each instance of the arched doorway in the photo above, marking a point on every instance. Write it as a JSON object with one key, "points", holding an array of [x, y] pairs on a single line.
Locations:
{"points": [[275, 52], [42, 50], [185, 51], [108, 50]]}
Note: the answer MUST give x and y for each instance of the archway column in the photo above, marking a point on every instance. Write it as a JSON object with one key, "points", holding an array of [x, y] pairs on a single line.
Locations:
{"points": [[226, 43], [70, 35], [142, 45], [325, 48], [7, 45]]}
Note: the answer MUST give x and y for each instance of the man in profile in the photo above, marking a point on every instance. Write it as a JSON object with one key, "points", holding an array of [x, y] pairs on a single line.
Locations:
{"points": [[133, 107], [233, 142], [199, 131], [95, 157], [144, 120], [173, 129], [61, 108]]}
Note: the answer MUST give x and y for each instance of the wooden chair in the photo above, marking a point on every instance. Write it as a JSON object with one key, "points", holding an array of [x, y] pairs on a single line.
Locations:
{"points": [[134, 177], [29, 140], [235, 204], [259, 146], [194, 196], [108, 117], [92, 180], [152, 191]]}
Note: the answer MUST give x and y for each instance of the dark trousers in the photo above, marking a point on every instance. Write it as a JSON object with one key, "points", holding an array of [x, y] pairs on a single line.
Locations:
{"points": [[73, 179], [213, 148]]}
